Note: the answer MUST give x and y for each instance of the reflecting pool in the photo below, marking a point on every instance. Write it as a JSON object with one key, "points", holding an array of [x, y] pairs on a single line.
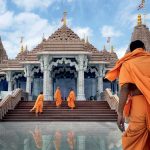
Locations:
{"points": [[60, 136]]}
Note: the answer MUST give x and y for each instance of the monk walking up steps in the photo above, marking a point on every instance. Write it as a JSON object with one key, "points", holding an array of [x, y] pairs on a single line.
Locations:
{"points": [[71, 99], [57, 97], [38, 106], [134, 101]]}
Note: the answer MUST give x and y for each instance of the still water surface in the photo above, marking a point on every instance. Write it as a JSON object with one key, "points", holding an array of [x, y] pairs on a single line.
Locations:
{"points": [[60, 136]]}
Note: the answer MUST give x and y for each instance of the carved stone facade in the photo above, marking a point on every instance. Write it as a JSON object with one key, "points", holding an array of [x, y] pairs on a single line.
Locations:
{"points": [[63, 57]]}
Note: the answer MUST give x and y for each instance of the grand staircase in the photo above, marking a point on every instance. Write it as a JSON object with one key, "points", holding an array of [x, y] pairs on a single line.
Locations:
{"points": [[84, 111]]}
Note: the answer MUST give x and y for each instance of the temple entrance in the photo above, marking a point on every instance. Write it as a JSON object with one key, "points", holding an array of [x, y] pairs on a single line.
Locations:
{"points": [[65, 85], [90, 85], [65, 78]]}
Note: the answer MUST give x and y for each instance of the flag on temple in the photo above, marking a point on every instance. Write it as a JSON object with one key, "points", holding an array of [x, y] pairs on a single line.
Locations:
{"points": [[141, 5], [108, 39]]}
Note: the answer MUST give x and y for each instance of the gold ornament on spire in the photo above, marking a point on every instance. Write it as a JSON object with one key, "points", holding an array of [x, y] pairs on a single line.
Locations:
{"points": [[43, 38], [87, 39], [21, 43], [112, 49], [26, 48], [104, 48], [64, 19], [139, 20]]}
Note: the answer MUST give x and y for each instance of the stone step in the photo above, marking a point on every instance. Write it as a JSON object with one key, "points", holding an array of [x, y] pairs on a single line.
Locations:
{"points": [[58, 120], [84, 111], [77, 114], [64, 112]]}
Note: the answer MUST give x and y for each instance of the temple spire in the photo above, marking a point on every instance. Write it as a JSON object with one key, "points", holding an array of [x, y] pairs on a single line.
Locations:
{"points": [[139, 20], [64, 19], [21, 43], [104, 48], [112, 49], [26, 48], [87, 39], [43, 38]]}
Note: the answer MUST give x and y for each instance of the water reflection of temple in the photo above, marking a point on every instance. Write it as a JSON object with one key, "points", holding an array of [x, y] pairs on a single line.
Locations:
{"points": [[48, 137]]}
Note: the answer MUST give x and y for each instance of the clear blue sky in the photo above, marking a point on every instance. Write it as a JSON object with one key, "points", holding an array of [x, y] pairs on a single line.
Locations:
{"points": [[97, 19]]}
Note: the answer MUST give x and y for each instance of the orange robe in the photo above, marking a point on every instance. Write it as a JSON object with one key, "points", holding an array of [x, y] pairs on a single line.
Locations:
{"points": [[134, 68], [57, 97], [71, 99], [39, 104]]}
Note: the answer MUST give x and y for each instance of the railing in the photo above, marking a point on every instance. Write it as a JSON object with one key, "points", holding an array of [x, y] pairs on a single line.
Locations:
{"points": [[113, 100], [9, 102]]}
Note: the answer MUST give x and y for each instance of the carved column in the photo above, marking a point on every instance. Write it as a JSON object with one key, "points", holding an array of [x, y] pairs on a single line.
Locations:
{"points": [[47, 81], [82, 65], [28, 75], [100, 81], [9, 80]]}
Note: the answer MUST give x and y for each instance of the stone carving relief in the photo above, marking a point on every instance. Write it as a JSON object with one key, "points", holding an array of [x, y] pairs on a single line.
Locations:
{"points": [[63, 60], [82, 62], [64, 69], [8, 76], [101, 70], [30, 70], [16, 76], [2, 78], [90, 69]]}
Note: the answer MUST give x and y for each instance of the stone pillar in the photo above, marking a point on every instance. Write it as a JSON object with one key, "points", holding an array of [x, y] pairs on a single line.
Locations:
{"points": [[80, 81], [51, 86], [9, 80], [28, 75], [100, 81], [47, 81]]}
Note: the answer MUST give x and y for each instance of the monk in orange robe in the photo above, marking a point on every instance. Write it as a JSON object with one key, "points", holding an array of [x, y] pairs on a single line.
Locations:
{"points": [[38, 106], [134, 101], [57, 97], [71, 99]]}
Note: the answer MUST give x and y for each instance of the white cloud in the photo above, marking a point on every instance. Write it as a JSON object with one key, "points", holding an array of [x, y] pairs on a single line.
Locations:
{"points": [[121, 51], [35, 4], [2, 6], [109, 31], [6, 20], [126, 15], [83, 31], [31, 27]]}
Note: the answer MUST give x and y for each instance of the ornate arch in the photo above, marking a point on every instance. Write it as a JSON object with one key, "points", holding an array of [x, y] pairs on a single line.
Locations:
{"points": [[64, 69], [92, 70], [63, 60]]}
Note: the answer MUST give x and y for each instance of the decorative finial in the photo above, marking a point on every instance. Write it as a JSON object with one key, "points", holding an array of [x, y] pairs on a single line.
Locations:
{"points": [[87, 39], [64, 19], [21, 42], [26, 48], [139, 20], [22, 49], [104, 48], [43, 38], [84, 39], [112, 49]]}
